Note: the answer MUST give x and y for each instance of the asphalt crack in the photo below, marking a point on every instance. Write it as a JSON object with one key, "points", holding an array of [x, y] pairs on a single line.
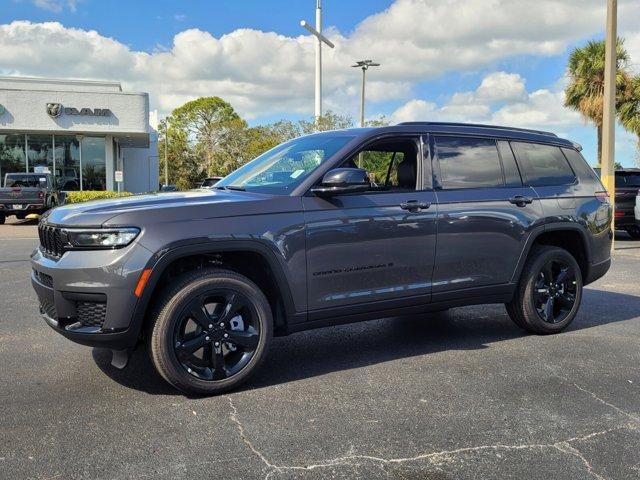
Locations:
{"points": [[351, 458], [243, 436], [608, 404]]}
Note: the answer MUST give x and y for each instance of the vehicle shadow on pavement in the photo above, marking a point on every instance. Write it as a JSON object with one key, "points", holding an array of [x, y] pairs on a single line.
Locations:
{"points": [[138, 375], [319, 352]]}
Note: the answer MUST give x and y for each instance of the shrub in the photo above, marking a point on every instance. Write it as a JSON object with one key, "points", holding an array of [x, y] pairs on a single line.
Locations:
{"points": [[85, 196]]}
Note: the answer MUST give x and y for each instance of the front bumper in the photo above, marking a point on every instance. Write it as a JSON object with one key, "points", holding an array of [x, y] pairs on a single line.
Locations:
{"points": [[87, 296]]}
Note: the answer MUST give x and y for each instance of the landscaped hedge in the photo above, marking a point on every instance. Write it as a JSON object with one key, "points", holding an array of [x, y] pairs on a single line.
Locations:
{"points": [[85, 196]]}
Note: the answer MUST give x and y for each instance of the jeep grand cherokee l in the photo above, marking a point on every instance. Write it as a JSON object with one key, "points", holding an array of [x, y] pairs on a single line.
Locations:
{"points": [[328, 228]]}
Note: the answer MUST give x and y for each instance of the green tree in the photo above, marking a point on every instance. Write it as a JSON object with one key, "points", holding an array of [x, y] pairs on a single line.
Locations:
{"points": [[328, 121], [214, 131], [184, 171], [629, 112], [585, 91]]}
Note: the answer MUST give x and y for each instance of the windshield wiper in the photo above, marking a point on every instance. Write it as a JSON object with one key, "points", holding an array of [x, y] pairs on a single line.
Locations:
{"points": [[231, 187]]}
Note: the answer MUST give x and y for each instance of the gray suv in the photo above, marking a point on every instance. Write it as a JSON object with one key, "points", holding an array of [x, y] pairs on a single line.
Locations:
{"points": [[325, 229]]}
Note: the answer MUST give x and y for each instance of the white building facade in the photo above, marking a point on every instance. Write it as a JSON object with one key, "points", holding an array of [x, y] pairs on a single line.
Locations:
{"points": [[82, 132]]}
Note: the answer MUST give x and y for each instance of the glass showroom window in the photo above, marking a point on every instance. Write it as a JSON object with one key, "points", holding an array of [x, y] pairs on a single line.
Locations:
{"points": [[94, 173], [11, 155], [67, 162], [40, 153]]}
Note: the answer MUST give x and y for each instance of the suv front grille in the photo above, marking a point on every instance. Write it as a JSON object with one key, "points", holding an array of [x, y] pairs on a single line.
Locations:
{"points": [[51, 242], [91, 314]]}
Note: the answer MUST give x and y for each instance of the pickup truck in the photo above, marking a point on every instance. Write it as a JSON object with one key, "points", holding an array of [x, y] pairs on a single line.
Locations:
{"points": [[627, 189], [27, 193]]}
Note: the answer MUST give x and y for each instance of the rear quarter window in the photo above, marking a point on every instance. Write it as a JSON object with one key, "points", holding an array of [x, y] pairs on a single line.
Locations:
{"points": [[543, 165], [586, 175]]}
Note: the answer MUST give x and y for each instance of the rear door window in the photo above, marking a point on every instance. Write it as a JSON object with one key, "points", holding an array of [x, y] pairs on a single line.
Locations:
{"points": [[467, 162], [543, 165]]}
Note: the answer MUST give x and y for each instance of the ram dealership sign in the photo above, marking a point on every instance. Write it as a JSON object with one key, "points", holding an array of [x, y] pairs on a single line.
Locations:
{"points": [[54, 110]]}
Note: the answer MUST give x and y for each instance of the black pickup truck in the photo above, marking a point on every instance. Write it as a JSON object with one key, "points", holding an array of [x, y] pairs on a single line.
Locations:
{"points": [[27, 193]]}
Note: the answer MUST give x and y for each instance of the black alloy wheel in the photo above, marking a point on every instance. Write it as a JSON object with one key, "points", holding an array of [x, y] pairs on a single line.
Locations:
{"points": [[217, 334], [555, 291], [210, 331], [548, 295]]}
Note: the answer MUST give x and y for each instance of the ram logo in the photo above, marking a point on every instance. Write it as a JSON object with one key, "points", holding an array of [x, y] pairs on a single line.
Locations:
{"points": [[54, 109]]}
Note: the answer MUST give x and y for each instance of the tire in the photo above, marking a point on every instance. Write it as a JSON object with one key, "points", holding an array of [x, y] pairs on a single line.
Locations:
{"points": [[634, 232], [548, 295], [21, 216], [208, 293], [2, 218]]}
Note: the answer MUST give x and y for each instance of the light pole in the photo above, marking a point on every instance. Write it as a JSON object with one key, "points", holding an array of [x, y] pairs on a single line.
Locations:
{"points": [[609, 113], [166, 144], [320, 39], [364, 65]]}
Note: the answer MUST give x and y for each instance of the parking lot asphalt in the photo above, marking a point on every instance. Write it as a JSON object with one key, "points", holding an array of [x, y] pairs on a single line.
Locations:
{"points": [[458, 395]]}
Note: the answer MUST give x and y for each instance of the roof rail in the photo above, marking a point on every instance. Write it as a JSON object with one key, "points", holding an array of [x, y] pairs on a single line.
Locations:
{"points": [[479, 125]]}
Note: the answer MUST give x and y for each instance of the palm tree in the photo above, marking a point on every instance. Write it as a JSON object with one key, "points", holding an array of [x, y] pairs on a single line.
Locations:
{"points": [[585, 91], [629, 112]]}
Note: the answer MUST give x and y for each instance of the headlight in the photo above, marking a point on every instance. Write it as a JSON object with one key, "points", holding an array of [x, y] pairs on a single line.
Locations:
{"points": [[100, 239]]}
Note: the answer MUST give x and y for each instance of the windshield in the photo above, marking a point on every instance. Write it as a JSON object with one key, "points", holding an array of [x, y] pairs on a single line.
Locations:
{"points": [[279, 170], [627, 180], [25, 181]]}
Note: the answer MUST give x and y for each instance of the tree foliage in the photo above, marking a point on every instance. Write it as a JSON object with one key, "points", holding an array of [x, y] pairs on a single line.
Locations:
{"points": [[585, 90], [629, 111], [208, 138]]}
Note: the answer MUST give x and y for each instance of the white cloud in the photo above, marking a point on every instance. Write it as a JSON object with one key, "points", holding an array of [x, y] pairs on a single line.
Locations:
{"points": [[56, 6], [264, 73], [502, 99]]}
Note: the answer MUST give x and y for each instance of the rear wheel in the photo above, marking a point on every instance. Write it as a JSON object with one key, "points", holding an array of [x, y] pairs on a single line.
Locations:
{"points": [[634, 232], [211, 331], [548, 296], [2, 218], [21, 216]]}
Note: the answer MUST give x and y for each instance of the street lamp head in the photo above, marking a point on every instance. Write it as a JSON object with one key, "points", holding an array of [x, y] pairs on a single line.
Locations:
{"points": [[365, 64]]}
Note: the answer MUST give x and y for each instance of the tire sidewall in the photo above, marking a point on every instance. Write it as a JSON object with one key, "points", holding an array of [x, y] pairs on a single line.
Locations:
{"points": [[162, 338], [531, 314]]}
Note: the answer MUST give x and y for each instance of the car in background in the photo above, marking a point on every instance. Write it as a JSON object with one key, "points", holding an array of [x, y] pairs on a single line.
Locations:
{"points": [[168, 188], [627, 189], [637, 209], [27, 193], [210, 182]]}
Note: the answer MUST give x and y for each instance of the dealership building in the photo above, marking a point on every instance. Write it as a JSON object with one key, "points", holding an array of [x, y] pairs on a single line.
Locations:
{"points": [[90, 135]]}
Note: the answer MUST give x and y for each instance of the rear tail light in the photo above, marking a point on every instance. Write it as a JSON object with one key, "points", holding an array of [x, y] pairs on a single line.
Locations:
{"points": [[618, 214], [40, 194], [602, 196]]}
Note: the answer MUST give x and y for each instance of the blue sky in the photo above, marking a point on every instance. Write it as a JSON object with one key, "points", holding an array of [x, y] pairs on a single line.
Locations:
{"points": [[497, 61]]}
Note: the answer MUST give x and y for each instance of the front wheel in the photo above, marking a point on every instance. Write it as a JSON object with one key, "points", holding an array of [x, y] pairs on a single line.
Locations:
{"points": [[548, 296], [211, 331]]}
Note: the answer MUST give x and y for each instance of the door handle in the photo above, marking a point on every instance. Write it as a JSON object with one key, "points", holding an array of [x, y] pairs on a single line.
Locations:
{"points": [[520, 200], [414, 205]]}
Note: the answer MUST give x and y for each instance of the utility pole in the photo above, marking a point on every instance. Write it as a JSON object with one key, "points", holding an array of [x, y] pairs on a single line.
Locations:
{"points": [[609, 115], [320, 39], [364, 65], [166, 144]]}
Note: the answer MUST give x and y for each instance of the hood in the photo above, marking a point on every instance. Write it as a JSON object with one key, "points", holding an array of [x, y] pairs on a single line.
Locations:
{"points": [[139, 208]]}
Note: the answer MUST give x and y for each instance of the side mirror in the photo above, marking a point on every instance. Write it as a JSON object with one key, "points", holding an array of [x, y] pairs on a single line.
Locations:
{"points": [[340, 181]]}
